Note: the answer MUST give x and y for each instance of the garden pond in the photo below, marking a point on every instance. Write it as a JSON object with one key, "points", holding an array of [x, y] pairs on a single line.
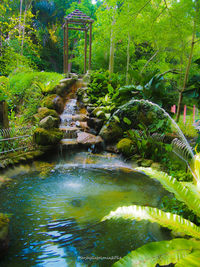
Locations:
{"points": [[56, 207]]}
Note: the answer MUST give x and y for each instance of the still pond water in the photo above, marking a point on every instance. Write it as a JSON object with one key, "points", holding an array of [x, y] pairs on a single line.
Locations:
{"points": [[56, 207]]}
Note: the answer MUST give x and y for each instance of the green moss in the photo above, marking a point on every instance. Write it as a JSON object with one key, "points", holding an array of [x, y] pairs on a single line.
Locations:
{"points": [[44, 112], [4, 220], [64, 86], [48, 101], [44, 138], [146, 162], [125, 146], [4, 223], [111, 132]]}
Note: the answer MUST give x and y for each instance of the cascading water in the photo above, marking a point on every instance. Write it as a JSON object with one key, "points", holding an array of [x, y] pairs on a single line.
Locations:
{"points": [[67, 122]]}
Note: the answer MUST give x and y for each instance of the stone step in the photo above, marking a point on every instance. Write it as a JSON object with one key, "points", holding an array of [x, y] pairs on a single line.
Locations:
{"points": [[69, 143], [77, 117], [69, 129], [70, 132]]}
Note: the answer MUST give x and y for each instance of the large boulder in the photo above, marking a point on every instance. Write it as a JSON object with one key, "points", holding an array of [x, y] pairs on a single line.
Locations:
{"points": [[53, 102], [126, 147], [58, 104], [4, 224], [49, 122], [65, 85], [111, 132], [88, 139], [44, 112], [48, 101], [45, 137]]}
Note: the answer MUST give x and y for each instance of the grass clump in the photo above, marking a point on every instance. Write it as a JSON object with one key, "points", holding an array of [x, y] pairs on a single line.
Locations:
{"points": [[26, 90]]}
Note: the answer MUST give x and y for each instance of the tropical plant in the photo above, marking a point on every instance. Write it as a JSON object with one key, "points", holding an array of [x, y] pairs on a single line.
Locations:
{"points": [[107, 107], [146, 145], [102, 84], [181, 251]]}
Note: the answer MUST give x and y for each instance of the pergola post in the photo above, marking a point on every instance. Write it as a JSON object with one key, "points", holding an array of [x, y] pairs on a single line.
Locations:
{"points": [[90, 49], [85, 60], [67, 46], [64, 49], [80, 22]]}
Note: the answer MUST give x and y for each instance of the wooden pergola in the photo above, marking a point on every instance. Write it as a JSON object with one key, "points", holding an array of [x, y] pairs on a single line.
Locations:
{"points": [[80, 22]]}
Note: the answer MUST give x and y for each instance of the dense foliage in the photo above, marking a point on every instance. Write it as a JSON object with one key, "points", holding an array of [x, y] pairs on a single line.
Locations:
{"points": [[141, 50], [157, 68]]}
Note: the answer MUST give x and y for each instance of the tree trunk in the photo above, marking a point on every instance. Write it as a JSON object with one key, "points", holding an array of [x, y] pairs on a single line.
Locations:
{"points": [[128, 59], [24, 25], [112, 49], [187, 69], [23, 33], [20, 17]]}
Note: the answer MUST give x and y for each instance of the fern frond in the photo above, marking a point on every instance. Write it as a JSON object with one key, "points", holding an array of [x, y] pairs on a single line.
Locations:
{"points": [[190, 260], [182, 193], [163, 253], [165, 219]]}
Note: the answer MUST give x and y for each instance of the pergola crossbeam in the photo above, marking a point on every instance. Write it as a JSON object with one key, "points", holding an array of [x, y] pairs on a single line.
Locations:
{"points": [[78, 18]]}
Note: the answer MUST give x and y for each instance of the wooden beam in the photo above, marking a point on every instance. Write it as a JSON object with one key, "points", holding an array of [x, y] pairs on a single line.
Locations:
{"points": [[77, 29], [85, 61], [64, 49]]}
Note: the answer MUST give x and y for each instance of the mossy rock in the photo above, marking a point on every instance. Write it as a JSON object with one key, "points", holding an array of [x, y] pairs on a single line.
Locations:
{"points": [[48, 101], [45, 112], [126, 147], [111, 132], [65, 85], [146, 162], [49, 122], [47, 137], [157, 166]]}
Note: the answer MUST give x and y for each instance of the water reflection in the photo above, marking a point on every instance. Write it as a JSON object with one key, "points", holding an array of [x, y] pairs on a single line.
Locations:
{"points": [[56, 219]]}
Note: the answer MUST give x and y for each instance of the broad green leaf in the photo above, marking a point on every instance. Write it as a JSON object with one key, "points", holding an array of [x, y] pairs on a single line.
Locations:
{"points": [[127, 121], [116, 118], [99, 113], [165, 219], [162, 253], [182, 193], [107, 115]]}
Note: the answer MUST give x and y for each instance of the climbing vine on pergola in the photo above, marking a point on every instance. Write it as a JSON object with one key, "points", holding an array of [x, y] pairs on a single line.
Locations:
{"points": [[79, 22]]}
